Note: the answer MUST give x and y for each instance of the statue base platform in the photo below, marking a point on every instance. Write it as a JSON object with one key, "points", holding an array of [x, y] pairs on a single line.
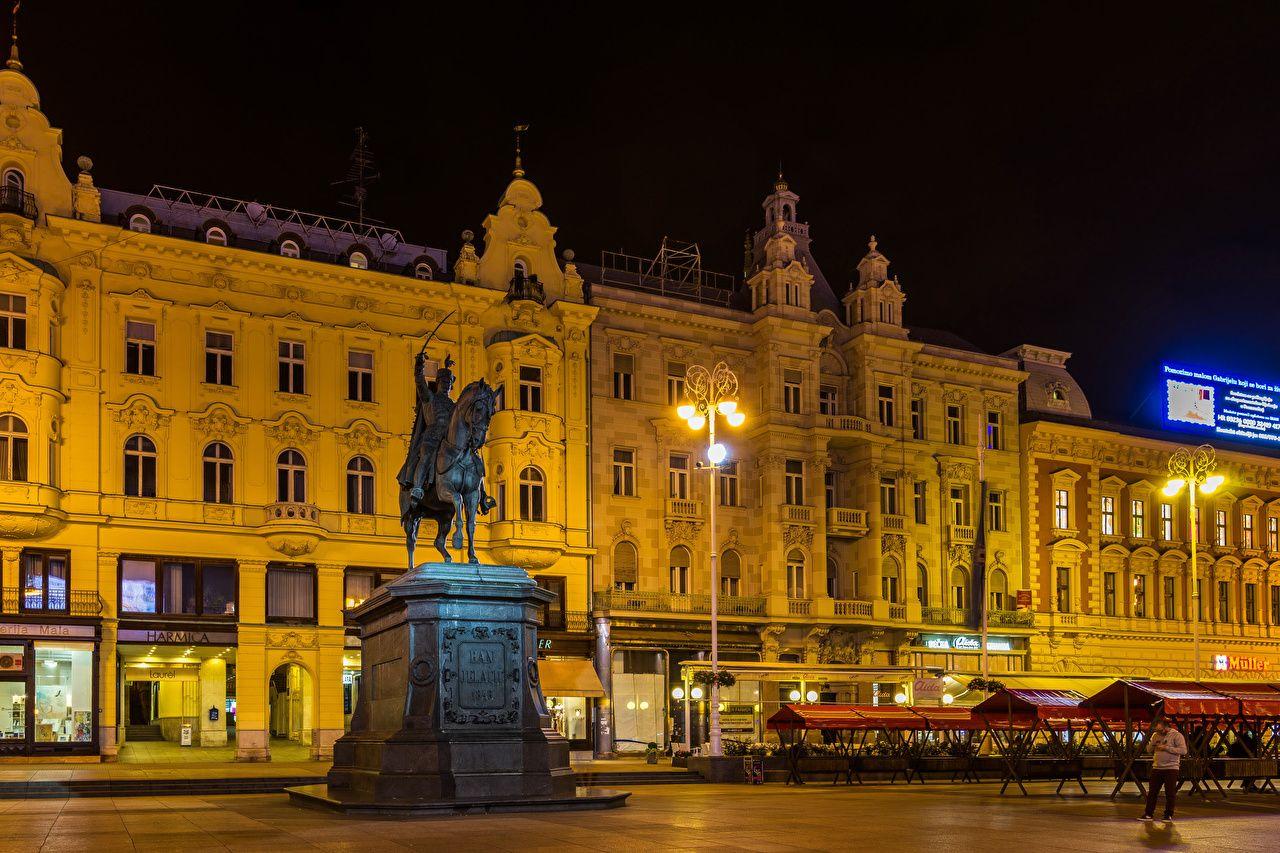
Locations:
{"points": [[450, 714]]}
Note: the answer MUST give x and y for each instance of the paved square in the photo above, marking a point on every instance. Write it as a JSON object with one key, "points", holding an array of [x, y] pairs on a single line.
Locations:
{"points": [[661, 817]]}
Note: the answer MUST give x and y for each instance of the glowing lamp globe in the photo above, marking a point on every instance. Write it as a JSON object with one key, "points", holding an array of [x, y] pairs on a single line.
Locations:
{"points": [[716, 453], [1210, 485], [727, 407], [900, 697], [677, 693], [794, 695], [686, 411], [736, 418], [697, 422], [947, 698], [811, 696], [1174, 486], [696, 693]]}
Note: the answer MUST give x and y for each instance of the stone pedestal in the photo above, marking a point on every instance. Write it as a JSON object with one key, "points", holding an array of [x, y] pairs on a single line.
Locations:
{"points": [[450, 711]]}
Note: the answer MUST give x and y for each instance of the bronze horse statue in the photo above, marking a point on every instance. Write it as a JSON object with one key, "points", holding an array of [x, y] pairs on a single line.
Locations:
{"points": [[457, 493]]}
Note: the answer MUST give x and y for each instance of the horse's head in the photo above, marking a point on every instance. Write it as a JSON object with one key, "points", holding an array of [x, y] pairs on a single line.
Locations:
{"points": [[475, 408]]}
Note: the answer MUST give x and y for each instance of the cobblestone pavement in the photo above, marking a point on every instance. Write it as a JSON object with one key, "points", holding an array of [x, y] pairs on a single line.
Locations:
{"points": [[671, 817]]}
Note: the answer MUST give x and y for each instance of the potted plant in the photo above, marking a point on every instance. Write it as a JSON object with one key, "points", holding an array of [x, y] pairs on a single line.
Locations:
{"points": [[680, 758], [651, 753]]}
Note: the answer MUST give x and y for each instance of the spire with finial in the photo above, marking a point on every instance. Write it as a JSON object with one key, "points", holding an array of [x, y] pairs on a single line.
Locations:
{"points": [[871, 244], [13, 48], [781, 184], [518, 171]]}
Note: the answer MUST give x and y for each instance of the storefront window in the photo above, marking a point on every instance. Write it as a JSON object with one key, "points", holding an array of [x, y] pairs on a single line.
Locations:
{"points": [[639, 699], [186, 587], [291, 593], [44, 581], [219, 583], [64, 692], [570, 716], [13, 710]]}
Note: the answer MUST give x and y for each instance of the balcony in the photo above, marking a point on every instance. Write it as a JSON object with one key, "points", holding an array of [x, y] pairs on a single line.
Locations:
{"points": [[853, 607], [79, 602], [292, 528], [799, 607], [14, 200], [797, 514], [647, 601], [960, 534], [893, 523], [846, 522], [840, 423], [944, 615], [681, 508], [572, 621], [1011, 618], [898, 612], [524, 287]]}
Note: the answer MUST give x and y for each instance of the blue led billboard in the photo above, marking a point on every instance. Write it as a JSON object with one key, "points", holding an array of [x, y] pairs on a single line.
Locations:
{"points": [[1214, 404]]}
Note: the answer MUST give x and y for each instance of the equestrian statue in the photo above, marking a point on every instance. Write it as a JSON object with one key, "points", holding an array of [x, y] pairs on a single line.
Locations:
{"points": [[443, 475]]}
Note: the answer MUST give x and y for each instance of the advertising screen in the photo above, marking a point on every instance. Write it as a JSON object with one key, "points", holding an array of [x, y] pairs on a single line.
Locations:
{"points": [[1210, 403]]}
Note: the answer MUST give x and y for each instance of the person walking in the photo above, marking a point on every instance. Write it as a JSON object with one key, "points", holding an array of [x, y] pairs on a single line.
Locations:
{"points": [[1167, 746]]}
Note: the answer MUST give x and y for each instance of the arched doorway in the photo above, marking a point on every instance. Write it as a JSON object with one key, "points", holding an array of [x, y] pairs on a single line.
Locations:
{"points": [[290, 700]]}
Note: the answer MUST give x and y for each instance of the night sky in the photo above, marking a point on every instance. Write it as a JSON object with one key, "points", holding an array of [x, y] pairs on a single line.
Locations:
{"points": [[1100, 178]]}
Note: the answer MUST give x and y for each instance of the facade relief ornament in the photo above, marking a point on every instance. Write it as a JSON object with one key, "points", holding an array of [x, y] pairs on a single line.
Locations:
{"points": [[219, 423], [960, 555], [797, 534], [362, 438], [140, 414], [955, 396], [840, 646], [292, 429], [770, 647], [893, 543], [681, 532]]}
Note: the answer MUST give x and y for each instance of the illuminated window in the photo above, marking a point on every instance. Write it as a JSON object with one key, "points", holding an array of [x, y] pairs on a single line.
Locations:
{"points": [[955, 425], [140, 348], [624, 472], [1063, 589], [292, 367], [794, 482], [533, 495], [13, 321], [884, 404], [358, 260], [1246, 530], [1108, 515], [291, 477], [1137, 519], [140, 222], [290, 249], [140, 467], [1220, 527], [215, 236], [1139, 595], [218, 358], [1062, 509], [1273, 533], [795, 574], [13, 449], [1109, 593], [46, 578], [1166, 522], [217, 473], [360, 486]]}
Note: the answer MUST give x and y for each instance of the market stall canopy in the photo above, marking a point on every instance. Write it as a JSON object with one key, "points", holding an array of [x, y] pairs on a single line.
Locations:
{"points": [[1146, 699], [569, 678], [949, 719], [1023, 708], [1256, 699], [797, 717]]}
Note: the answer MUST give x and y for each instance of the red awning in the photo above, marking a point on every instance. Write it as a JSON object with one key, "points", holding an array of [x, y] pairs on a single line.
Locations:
{"points": [[1256, 699], [817, 717], [1023, 707], [949, 719], [1172, 698], [796, 717]]}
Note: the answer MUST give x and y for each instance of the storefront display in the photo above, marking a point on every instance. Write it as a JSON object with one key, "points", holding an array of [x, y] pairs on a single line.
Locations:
{"points": [[64, 692], [48, 690]]}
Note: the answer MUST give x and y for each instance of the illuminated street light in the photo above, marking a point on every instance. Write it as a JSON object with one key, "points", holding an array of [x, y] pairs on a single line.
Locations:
{"points": [[696, 693], [713, 393], [900, 697], [811, 696], [794, 695], [947, 698], [1194, 468], [677, 693]]}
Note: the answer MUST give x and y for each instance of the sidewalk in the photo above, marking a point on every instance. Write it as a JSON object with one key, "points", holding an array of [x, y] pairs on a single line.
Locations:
{"points": [[163, 760]]}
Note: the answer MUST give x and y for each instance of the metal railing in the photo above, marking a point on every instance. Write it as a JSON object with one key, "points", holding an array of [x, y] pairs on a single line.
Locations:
{"points": [[669, 602], [1013, 618], [524, 287], [77, 602], [14, 200], [944, 615]]}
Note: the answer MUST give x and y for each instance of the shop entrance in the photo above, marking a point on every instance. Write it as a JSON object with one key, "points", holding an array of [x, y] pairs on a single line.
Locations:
{"points": [[174, 696], [142, 698], [290, 699]]}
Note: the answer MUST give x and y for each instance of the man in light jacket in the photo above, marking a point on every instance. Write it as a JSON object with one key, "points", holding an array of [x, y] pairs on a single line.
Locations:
{"points": [[1167, 745]]}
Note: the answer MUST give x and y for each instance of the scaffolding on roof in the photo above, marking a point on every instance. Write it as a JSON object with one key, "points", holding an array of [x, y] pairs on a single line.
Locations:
{"points": [[675, 271]]}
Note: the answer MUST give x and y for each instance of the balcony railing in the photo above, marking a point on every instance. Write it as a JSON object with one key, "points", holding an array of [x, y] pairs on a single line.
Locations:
{"points": [[893, 522], [797, 512], [681, 508], [944, 615], [853, 607], [1011, 618], [841, 423], [77, 602], [842, 520], [291, 511], [652, 601], [961, 534], [898, 611], [524, 287], [14, 200], [799, 606]]}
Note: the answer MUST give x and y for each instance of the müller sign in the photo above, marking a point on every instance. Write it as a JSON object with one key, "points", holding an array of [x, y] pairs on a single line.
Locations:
{"points": [[1239, 663]]}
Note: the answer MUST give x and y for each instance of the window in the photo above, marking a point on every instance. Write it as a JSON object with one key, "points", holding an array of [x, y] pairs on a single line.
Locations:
{"points": [[922, 584], [888, 496], [917, 418], [728, 484], [1168, 588], [828, 400], [1108, 515], [1063, 591], [1062, 509], [54, 480], [291, 593], [290, 249], [1246, 530], [1138, 519], [1139, 595], [360, 485], [1109, 593], [795, 574], [794, 483], [13, 321], [1275, 604], [533, 495], [995, 433], [918, 501], [730, 573], [64, 673], [531, 388], [422, 272], [626, 562], [1200, 599], [680, 559], [678, 476], [1220, 527], [140, 348], [215, 236], [833, 578], [998, 591], [13, 179], [13, 449], [955, 425], [624, 472], [960, 505], [1251, 603], [358, 261], [1166, 522], [884, 404], [889, 580], [791, 384], [292, 367], [1224, 601], [829, 489], [46, 578], [217, 358], [959, 589], [995, 510], [360, 376], [291, 477], [623, 376], [177, 586], [140, 222], [217, 474], [675, 383], [791, 293], [140, 467], [357, 586], [1273, 533], [501, 508], [520, 268]]}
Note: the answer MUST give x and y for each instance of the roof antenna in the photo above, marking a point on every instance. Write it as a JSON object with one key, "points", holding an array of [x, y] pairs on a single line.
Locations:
{"points": [[13, 48], [518, 171], [361, 172]]}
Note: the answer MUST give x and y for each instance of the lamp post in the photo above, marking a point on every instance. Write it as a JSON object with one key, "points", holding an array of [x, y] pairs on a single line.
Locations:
{"points": [[1193, 469], [711, 394]]}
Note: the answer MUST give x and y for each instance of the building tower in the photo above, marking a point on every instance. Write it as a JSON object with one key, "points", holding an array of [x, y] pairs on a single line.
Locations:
{"points": [[874, 304]]}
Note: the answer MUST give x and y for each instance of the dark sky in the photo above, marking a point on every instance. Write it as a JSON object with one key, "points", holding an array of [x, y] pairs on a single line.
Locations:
{"points": [[1099, 178]]}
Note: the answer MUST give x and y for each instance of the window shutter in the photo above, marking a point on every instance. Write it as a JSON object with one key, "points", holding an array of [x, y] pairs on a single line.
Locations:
{"points": [[730, 565], [624, 563]]}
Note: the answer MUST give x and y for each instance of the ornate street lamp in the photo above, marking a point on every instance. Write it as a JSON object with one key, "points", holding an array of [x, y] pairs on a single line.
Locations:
{"points": [[1193, 469], [712, 394]]}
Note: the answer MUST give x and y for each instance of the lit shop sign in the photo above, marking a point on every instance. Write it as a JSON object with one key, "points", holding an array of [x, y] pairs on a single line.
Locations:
{"points": [[23, 629], [190, 638], [1239, 663], [966, 643], [1214, 404]]}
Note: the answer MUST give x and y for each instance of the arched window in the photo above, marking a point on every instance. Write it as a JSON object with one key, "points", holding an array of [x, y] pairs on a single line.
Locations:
{"points": [[522, 268], [140, 467], [730, 573], [889, 580], [680, 560], [626, 566], [959, 588], [998, 586], [14, 180], [422, 271], [922, 584], [140, 222], [217, 473], [795, 574], [360, 485], [833, 577], [291, 477], [358, 260], [533, 495], [215, 236], [786, 212], [13, 448], [290, 249]]}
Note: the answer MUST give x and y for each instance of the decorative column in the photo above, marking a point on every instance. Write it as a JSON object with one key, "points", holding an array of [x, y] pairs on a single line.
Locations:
{"points": [[252, 740], [110, 729], [12, 570], [604, 670], [328, 716]]}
